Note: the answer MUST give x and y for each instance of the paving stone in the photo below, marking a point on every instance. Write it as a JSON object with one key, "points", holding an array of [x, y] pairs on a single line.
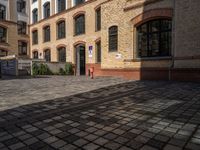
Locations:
{"points": [[112, 145], [147, 147], [171, 147], [91, 146], [100, 141], [80, 142], [58, 144]]}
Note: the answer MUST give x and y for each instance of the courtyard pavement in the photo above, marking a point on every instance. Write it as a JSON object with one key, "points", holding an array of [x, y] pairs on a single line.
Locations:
{"points": [[131, 115]]}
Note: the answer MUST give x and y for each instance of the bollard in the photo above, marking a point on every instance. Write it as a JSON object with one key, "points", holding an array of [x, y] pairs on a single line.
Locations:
{"points": [[92, 72]]}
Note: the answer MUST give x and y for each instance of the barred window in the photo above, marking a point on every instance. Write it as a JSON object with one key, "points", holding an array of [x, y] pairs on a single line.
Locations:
{"points": [[61, 30], [46, 8], [3, 34], [47, 55], [35, 15], [61, 5], [35, 37], [80, 24], [154, 38], [21, 26], [46, 32], [2, 12], [113, 38], [62, 54], [22, 48]]}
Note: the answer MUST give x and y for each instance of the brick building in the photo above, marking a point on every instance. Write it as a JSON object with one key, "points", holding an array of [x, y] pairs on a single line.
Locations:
{"points": [[14, 20], [137, 39]]}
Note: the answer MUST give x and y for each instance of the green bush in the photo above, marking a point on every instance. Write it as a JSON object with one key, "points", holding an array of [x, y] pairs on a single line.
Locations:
{"points": [[68, 68], [41, 69], [62, 71]]}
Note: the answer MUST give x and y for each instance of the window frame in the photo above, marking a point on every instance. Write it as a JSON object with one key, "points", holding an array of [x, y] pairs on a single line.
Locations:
{"points": [[35, 15], [21, 46], [21, 6], [98, 51], [79, 25], [61, 29], [3, 39], [61, 5], [34, 37], [113, 39], [2, 12], [61, 58], [148, 36], [98, 19], [21, 27], [46, 34], [49, 56], [46, 10]]}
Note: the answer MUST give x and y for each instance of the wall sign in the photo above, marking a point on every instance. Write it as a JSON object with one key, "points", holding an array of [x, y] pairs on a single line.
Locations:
{"points": [[90, 51]]}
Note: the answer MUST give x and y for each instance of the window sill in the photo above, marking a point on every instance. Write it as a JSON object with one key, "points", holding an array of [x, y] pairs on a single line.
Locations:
{"points": [[79, 34], [61, 38], [148, 59], [4, 43], [46, 41]]}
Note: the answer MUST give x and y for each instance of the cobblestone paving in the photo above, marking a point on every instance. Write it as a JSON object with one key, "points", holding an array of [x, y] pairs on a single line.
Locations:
{"points": [[128, 116], [17, 92]]}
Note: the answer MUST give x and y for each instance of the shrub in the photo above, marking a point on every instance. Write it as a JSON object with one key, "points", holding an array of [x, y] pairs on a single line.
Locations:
{"points": [[41, 69], [62, 71], [68, 68]]}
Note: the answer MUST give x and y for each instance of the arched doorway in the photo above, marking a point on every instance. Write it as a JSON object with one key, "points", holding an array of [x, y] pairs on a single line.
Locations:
{"points": [[80, 59]]}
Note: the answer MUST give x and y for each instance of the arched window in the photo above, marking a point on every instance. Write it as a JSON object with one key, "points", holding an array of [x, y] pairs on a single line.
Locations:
{"points": [[22, 48], [35, 55], [35, 15], [62, 54], [3, 53], [21, 6], [3, 34], [61, 30], [34, 37], [77, 2], [46, 34], [79, 24], [2, 12], [154, 38], [47, 55], [61, 5], [46, 8], [113, 38], [98, 51], [98, 19]]}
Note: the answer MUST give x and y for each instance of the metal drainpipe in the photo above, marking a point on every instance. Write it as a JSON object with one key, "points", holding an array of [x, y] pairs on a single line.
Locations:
{"points": [[174, 40]]}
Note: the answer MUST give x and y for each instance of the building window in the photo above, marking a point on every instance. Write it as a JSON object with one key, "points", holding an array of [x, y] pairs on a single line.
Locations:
{"points": [[113, 38], [46, 32], [98, 51], [22, 48], [21, 6], [61, 5], [79, 24], [62, 54], [3, 34], [21, 26], [35, 55], [2, 12], [61, 30], [35, 37], [47, 55], [98, 19], [3, 53], [34, 1], [35, 15], [77, 2], [46, 8], [154, 38]]}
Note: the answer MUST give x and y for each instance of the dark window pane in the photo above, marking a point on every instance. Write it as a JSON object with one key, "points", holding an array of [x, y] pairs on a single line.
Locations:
{"points": [[3, 53], [21, 6], [22, 48], [46, 10], [35, 37], [62, 54], [98, 19], [61, 5], [3, 35], [2, 12], [77, 2], [113, 38], [98, 48], [80, 25], [21, 26], [35, 54], [47, 55], [46, 32], [35, 15], [61, 30], [154, 38]]}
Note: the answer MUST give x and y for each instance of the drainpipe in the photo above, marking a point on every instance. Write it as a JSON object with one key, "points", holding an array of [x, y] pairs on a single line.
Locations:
{"points": [[173, 40]]}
